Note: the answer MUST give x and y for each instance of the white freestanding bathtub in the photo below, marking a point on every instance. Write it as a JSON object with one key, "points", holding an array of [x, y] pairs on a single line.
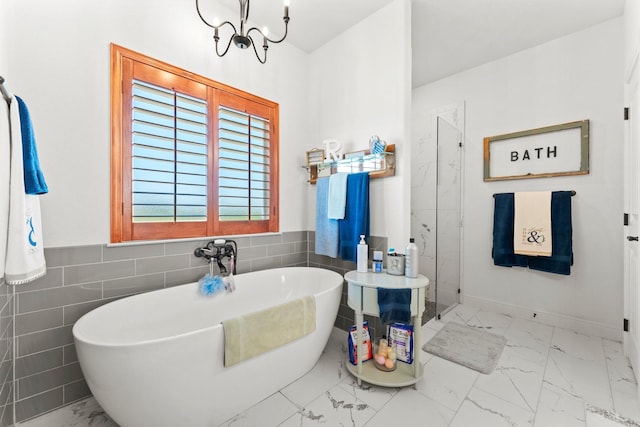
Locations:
{"points": [[156, 359]]}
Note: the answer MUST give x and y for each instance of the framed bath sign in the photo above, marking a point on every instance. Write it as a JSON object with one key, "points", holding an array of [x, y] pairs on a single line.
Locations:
{"points": [[557, 150]]}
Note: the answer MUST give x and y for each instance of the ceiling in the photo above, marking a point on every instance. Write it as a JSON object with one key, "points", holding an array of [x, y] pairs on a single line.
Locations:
{"points": [[448, 36]]}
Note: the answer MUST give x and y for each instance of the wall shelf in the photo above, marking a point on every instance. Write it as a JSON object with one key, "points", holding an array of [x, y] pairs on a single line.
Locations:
{"points": [[378, 165]]}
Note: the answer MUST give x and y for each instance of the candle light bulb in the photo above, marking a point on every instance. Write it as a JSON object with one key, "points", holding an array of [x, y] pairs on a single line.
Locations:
{"points": [[287, 2], [265, 32], [216, 21]]}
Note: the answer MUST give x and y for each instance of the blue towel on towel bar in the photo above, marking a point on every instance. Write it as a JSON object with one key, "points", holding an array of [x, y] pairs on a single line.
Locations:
{"points": [[394, 305], [503, 215], [356, 218], [561, 258], [327, 230], [34, 182], [337, 195]]}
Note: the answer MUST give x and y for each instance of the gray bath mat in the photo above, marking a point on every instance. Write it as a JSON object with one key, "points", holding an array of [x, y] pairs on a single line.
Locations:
{"points": [[467, 346]]}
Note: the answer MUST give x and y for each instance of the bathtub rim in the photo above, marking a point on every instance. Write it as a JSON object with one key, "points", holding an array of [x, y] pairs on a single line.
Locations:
{"points": [[86, 341]]}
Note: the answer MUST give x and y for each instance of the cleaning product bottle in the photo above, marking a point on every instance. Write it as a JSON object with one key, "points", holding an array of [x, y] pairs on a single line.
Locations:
{"points": [[362, 255], [411, 259]]}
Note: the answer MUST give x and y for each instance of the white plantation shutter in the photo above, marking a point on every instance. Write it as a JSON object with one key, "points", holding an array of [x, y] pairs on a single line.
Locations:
{"points": [[169, 155], [244, 166]]}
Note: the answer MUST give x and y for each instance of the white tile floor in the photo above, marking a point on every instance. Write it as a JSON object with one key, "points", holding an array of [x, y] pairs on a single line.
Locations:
{"points": [[546, 377]]}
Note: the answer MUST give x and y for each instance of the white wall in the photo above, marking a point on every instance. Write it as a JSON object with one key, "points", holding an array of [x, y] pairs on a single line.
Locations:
{"points": [[631, 32], [361, 86], [572, 78], [59, 64]]}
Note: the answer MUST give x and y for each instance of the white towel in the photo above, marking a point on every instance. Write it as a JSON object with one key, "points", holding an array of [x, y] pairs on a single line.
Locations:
{"points": [[5, 154], [337, 195], [25, 250], [532, 223]]}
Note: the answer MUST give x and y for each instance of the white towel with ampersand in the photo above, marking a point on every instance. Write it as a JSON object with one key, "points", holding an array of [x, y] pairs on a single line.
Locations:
{"points": [[532, 223]]}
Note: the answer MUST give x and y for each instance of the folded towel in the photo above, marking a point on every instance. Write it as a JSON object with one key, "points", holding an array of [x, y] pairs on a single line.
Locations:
{"points": [[5, 155], [33, 178], [356, 218], [25, 250], [532, 224], [337, 195], [327, 230], [394, 305], [251, 335], [561, 259], [502, 253]]}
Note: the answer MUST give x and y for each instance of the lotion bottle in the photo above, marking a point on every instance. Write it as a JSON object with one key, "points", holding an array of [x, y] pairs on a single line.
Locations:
{"points": [[362, 255], [411, 259]]}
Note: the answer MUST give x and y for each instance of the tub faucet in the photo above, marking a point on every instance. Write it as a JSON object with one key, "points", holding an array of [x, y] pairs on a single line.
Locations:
{"points": [[217, 250]]}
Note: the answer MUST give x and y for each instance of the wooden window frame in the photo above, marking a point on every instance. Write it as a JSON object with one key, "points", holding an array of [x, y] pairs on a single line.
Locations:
{"points": [[123, 229]]}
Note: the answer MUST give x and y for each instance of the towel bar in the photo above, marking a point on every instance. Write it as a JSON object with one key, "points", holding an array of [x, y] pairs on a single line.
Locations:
{"points": [[573, 193]]}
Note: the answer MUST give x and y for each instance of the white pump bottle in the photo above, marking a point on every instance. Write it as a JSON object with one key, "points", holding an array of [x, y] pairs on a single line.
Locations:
{"points": [[362, 255]]}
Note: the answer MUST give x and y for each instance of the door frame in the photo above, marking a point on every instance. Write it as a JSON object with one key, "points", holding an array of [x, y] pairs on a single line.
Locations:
{"points": [[631, 343]]}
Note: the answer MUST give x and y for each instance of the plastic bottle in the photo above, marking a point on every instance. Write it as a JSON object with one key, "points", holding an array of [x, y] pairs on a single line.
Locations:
{"points": [[362, 255], [411, 259]]}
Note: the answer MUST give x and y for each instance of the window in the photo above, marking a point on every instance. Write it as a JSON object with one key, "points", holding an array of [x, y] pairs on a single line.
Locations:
{"points": [[190, 157]]}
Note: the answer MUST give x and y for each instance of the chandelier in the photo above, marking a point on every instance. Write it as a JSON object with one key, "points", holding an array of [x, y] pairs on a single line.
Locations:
{"points": [[242, 38]]}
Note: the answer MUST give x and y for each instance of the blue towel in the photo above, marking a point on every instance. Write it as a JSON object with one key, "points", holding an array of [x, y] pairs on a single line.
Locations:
{"points": [[356, 218], [33, 178], [327, 230], [561, 258], [394, 305], [503, 215], [337, 195]]}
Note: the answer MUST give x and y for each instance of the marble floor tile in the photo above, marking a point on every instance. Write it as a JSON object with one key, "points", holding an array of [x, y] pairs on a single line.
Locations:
{"points": [[516, 379], [460, 314], [623, 381], [272, 411], [86, 413], [335, 407], [374, 396], [559, 408], [581, 374], [546, 377], [490, 322], [600, 418], [446, 382], [410, 408], [483, 409]]}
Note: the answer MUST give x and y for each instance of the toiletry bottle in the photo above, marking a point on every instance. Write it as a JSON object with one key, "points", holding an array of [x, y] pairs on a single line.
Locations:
{"points": [[362, 256], [411, 259], [377, 262]]}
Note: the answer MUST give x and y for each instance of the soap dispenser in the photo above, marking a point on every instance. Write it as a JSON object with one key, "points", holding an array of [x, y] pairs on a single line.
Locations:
{"points": [[362, 255]]}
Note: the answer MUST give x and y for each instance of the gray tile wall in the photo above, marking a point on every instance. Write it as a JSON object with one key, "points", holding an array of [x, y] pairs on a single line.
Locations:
{"points": [[6, 355], [80, 279]]}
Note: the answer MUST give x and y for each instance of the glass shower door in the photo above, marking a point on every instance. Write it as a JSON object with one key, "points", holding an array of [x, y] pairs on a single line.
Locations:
{"points": [[448, 216]]}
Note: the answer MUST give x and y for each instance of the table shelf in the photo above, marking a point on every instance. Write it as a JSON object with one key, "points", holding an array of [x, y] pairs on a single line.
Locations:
{"points": [[362, 297]]}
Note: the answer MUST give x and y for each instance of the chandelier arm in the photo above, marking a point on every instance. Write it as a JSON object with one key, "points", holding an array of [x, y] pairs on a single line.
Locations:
{"points": [[227, 49], [215, 26], [201, 17], [286, 28], [262, 61]]}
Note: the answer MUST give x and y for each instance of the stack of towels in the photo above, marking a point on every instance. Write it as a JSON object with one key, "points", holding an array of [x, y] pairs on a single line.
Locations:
{"points": [[342, 214], [533, 230]]}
